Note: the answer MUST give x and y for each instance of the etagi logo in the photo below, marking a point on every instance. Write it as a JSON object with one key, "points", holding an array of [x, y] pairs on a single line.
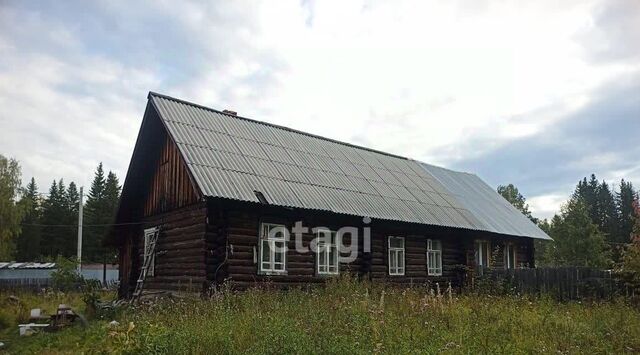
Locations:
{"points": [[345, 240]]}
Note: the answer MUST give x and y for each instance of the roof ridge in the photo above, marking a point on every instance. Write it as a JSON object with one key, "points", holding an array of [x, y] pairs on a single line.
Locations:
{"points": [[444, 168], [152, 93]]}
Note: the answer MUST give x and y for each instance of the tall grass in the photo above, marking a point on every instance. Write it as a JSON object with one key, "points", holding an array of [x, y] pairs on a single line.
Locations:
{"points": [[348, 316]]}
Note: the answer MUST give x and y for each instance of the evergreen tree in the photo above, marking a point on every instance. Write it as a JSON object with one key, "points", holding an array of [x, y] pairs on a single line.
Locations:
{"points": [[59, 233], [29, 239], [591, 199], [607, 220], [607, 212], [577, 241], [111, 202], [95, 214], [587, 191], [72, 199], [51, 214], [631, 255], [626, 213]]}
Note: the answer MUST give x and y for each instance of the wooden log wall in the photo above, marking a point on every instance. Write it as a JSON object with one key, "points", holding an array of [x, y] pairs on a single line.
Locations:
{"points": [[235, 236], [170, 185], [180, 253]]}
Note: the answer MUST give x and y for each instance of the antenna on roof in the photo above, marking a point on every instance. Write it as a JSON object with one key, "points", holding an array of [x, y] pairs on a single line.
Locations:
{"points": [[230, 112]]}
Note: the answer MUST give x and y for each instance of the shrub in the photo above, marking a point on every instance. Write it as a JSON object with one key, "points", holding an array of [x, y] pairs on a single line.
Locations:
{"points": [[66, 276]]}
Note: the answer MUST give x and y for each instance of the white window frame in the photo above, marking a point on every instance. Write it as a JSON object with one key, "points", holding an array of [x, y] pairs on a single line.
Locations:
{"points": [[325, 264], [510, 256], [277, 245], [148, 234], [434, 257], [482, 252], [396, 254]]}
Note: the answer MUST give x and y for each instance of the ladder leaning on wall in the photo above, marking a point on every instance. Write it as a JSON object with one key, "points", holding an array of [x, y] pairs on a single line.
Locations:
{"points": [[150, 241]]}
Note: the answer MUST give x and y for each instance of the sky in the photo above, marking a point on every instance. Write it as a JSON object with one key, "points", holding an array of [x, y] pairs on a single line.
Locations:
{"points": [[538, 94]]}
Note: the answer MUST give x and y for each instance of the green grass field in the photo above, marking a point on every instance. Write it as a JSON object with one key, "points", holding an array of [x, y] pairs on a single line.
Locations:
{"points": [[344, 317]]}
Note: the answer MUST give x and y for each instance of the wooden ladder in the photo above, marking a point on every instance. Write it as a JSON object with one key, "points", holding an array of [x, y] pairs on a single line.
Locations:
{"points": [[149, 252]]}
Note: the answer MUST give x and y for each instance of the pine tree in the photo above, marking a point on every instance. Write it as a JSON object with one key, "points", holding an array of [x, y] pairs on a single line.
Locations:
{"points": [[51, 215], [111, 202], [71, 218], [112, 193], [587, 191], [28, 248], [607, 220], [95, 215], [577, 241], [607, 212], [591, 199], [626, 213], [631, 253]]}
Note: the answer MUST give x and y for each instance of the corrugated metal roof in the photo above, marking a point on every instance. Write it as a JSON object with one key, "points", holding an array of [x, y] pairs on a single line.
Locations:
{"points": [[232, 157], [496, 213], [14, 265]]}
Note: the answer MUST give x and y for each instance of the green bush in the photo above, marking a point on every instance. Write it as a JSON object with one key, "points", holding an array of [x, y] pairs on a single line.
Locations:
{"points": [[66, 276]]}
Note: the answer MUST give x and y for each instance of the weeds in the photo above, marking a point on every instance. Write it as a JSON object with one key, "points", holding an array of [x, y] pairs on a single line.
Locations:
{"points": [[348, 316]]}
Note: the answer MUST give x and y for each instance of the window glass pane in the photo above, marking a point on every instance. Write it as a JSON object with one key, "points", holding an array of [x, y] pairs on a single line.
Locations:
{"points": [[333, 256], [395, 242], [401, 259], [279, 255], [279, 266], [276, 232], [265, 251], [321, 247], [393, 259], [437, 245]]}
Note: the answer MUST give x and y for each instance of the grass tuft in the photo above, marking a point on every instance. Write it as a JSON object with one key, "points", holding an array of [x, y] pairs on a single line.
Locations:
{"points": [[347, 316]]}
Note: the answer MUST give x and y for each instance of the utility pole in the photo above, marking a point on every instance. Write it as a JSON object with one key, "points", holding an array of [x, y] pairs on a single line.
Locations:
{"points": [[80, 232]]}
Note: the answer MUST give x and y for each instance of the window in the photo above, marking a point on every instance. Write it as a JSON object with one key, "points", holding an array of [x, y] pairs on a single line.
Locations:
{"points": [[273, 249], [396, 256], [327, 252], [434, 257], [509, 256], [149, 256], [482, 253]]}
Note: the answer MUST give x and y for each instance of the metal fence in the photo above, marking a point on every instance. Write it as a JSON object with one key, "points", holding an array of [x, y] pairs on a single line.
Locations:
{"points": [[564, 283]]}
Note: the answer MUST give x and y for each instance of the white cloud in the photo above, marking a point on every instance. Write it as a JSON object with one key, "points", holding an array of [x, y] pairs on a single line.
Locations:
{"points": [[436, 81], [545, 206]]}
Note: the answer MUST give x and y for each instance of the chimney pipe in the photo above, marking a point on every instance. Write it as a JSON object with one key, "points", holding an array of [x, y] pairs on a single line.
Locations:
{"points": [[229, 112]]}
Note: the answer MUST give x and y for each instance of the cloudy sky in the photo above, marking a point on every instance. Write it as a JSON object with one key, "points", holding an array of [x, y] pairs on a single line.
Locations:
{"points": [[536, 94]]}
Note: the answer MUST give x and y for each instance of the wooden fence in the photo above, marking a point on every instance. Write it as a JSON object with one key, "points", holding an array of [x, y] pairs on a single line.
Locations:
{"points": [[25, 283], [564, 283], [37, 284]]}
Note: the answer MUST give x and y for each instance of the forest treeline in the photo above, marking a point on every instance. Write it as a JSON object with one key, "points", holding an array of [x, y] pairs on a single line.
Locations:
{"points": [[596, 227], [41, 226]]}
